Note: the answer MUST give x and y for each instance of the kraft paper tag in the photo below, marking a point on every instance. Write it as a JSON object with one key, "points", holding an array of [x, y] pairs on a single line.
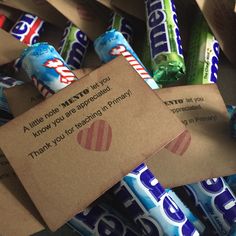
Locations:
{"points": [[211, 152], [73, 146]]}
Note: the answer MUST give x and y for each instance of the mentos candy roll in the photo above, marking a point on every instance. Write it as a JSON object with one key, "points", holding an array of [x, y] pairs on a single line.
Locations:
{"points": [[202, 66], [73, 46], [112, 44], [120, 24], [150, 206], [164, 41], [2, 20], [46, 68], [217, 201], [27, 29], [190, 216], [100, 220], [190, 200], [6, 82]]}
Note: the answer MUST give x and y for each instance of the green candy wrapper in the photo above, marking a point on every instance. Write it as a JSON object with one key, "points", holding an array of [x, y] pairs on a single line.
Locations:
{"points": [[202, 65], [120, 24], [164, 41], [73, 46]]}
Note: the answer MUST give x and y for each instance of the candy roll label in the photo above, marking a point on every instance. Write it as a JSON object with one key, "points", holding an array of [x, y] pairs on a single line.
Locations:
{"points": [[157, 27], [98, 220], [163, 31], [158, 205], [27, 29], [218, 202], [73, 46]]}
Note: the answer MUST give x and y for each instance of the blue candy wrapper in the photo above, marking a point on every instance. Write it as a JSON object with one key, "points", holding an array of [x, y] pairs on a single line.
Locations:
{"points": [[46, 68], [217, 201], [150, 206], [100, 219], [112, 44]]}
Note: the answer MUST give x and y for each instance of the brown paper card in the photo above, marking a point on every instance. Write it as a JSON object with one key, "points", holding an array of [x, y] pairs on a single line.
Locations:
{"points": [[211, 152], [91, 19], [39, 8], [17, 207], [65, 179], [128, 7], [10, 47], [18, 214], [222, 21]]}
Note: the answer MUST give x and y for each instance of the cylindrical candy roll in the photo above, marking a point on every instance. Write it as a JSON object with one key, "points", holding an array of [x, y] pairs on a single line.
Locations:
{"points": [[190, 216], [218, 202], [150, 206], [202, 65], [73, 46], [164, 41], [112, 44], [100, 219], [46, 68], [6, 82], [120, 24], [27, 28]]}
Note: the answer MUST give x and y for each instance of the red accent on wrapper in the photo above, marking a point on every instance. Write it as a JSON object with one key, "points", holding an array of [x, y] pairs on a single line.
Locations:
{"points": [[45, 91], [2, 20], [34, 30], [121, 50]]}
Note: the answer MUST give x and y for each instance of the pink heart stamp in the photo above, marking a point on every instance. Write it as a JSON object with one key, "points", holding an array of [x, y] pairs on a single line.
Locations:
{"points": [[180, 144], [97, 137]]}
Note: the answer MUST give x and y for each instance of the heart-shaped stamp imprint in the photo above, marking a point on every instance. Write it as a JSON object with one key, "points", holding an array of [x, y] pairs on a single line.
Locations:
{"points": [[97, 137], [180, 144]]}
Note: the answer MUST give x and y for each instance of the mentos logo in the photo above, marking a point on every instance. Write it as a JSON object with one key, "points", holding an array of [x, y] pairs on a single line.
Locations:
{"points": [[177, 33], [154, 195], [137, 211], [223, 199], [157, 27], [27, 29], [158, 31], [77, 49], [65, 74], [101, 222], [214, 61]]}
